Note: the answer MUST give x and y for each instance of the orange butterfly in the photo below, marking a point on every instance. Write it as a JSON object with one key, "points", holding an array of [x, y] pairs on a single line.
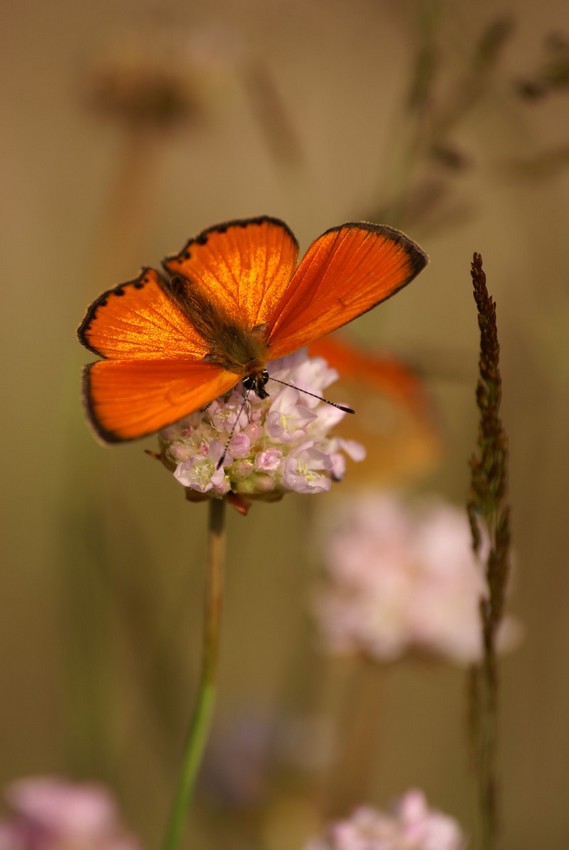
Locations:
{"points": [[232, 301]]}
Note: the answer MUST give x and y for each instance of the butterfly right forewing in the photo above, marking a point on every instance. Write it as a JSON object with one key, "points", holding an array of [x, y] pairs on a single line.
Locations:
{"points": [[344, 273]]}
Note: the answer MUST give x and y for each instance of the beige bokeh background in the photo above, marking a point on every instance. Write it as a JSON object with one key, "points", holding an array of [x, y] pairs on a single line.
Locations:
{"points": [[100, 581]]}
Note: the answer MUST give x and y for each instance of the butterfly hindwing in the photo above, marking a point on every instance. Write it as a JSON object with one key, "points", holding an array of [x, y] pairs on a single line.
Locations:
{"points": [[127, 399], [344, 273]]}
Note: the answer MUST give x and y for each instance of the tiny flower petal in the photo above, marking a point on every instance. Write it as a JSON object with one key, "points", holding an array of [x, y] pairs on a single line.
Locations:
{"points": [[288, 417], [305, 471], [268, 461], [239, 445], [354, 450]]}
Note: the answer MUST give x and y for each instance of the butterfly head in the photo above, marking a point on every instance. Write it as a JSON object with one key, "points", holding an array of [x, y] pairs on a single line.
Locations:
{"points": [[256, 383]]}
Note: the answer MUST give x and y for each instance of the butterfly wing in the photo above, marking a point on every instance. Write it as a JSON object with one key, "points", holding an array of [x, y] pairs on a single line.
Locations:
{"points": [[344, 273], [242, 267], [396, 419], [384, 374], [138, 320], [154, 372], [128, 399]]}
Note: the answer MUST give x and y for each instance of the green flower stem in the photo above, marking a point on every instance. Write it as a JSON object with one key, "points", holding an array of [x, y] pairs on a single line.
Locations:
{"points": [[203, 710]]}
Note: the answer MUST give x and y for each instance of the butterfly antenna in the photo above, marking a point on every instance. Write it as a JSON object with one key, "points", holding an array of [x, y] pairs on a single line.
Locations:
{"points": [[343, 407], [231, 433]]}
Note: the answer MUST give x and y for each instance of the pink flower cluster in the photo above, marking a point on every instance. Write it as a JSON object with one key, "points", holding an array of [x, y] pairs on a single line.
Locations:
{"points": [[269, 446], [399, 578], [52, 814], [411, 825]]}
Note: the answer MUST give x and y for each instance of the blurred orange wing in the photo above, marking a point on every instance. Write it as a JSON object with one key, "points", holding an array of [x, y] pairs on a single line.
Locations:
{"points": [[243, 267], [344, 273], [396, 421], [383, 373], [127, 399], [138, 320]]}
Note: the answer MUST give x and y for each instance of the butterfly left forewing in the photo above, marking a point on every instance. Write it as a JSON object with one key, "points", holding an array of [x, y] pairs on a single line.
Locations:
{"points": [[344, 273], [139, 320]]}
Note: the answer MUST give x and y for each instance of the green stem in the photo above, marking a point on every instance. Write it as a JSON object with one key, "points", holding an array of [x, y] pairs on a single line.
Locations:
{"points": [[203, 710]]}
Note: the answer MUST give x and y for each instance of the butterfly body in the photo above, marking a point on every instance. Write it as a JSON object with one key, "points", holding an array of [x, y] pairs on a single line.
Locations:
{"points": [[231, 302], [241, 350]]}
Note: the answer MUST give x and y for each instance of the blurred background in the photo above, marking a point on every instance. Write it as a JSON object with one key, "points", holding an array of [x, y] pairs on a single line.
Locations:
{"points": [[130, 126]]}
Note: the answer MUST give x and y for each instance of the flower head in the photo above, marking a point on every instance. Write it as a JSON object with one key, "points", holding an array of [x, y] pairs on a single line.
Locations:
{"points": [[399, 578], [53, 814], [410, 825], [252, 448]]}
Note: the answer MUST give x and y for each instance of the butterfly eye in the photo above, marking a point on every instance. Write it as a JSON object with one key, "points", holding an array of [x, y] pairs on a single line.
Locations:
{"points": [[256, 383]]}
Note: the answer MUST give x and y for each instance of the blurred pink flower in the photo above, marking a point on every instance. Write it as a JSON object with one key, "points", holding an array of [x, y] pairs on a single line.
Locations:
{"points": [[410, 825], [48, 813], [272, 446], [399, 578]]}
